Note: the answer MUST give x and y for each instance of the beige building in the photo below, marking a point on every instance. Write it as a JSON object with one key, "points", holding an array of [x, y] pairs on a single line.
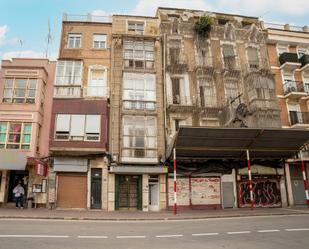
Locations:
{"points": [[26, 87], [217, 77], [288, 50], [137, 175]]}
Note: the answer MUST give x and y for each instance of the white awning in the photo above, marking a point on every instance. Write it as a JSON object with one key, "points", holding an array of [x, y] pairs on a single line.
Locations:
{"points": [[70, 164], [12, 160]]}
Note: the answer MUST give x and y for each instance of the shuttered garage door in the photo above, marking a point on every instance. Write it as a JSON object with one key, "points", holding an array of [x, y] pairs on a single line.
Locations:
{"points": [[72, 191]]}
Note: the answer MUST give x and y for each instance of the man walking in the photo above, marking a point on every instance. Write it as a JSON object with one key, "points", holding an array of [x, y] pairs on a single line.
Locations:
{"points": [[19, 192]]}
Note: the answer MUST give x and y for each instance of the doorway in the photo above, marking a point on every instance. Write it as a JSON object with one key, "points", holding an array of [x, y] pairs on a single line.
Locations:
{"points": [[96, 188], [15, 177], [154, 193], [128, 192]]}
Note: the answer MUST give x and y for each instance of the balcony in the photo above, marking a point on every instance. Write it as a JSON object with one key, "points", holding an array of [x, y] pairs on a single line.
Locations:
{"points": [[294, 89], [299, 119], [96, 92], [289, 62], [178, 103], [304, 60], [231, 66]]}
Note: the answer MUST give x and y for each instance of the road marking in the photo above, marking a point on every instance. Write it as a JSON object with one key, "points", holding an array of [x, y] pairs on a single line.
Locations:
{"points": [[32, 236], [91, 237], [239, 232], [131, 237], [268, 231], [169, 236], [297, 229], [204, 234]]}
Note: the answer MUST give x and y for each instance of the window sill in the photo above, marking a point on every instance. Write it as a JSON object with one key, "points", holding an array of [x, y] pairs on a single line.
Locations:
{"points": [[74, 141], [100, 49]]}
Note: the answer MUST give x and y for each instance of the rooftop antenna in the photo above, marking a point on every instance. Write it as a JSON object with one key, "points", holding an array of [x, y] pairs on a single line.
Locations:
{"points": [[49, 40]]}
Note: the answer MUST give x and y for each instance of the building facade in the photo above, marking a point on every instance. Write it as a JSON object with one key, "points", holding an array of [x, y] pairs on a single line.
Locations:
{"points": [[80, 115], [219, 78], [288, 50], [26, 87], [137, 173]]}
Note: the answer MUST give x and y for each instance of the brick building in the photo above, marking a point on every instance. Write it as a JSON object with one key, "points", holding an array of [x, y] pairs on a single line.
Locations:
{"points": [[79, 125], [288, 50], [26, 87]]}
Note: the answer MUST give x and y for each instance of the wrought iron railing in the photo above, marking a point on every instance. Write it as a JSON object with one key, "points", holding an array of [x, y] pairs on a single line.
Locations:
{"points": [[299, 117], [293, 86]]}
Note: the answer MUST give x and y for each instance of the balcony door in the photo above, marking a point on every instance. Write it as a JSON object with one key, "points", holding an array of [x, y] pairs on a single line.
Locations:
{"points": [[295, 114], [96, 82]]}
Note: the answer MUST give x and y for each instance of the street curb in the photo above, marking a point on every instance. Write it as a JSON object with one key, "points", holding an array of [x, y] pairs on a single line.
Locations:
{"points": [[148, 219]]}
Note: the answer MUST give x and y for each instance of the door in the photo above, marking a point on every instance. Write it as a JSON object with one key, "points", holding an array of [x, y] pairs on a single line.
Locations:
{"points": [[96, 188], [128, 192], [297, 183], [154, 196], [72, 191], [15, 177], [228, 194]]}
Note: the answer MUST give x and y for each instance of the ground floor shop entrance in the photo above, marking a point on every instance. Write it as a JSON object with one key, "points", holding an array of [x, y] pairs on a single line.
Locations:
{"points": [[297, 183], [154, 193], [128, 192], [14, 177], [72, 191]]}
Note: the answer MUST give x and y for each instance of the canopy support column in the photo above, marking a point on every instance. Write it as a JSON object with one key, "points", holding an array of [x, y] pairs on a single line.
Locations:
{"points": [[175, 184], [305, 181], [250, 180]]}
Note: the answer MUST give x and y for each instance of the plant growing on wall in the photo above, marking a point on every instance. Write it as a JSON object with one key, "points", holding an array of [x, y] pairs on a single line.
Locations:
{"points": [[203, 26]]}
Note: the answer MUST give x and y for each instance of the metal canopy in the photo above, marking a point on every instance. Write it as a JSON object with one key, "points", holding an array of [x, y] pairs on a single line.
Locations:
{"points": [[225, 143]]}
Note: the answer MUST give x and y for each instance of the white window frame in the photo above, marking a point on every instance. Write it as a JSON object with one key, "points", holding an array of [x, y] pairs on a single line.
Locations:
{"points": [[74, 37], [100, 42], [92, 88], [135, 28], [135, 103], [67, 135], [252, 66], [211, 99]]}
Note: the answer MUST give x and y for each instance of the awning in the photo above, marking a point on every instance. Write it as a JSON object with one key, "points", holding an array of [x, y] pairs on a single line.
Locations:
{"points": [[70, 164], [12, 160], [232, 143]]}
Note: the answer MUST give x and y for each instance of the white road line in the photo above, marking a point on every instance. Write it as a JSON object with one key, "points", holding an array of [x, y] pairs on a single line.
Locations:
{"points": [[204, 234], [91, 237], [169, 236], [131, 237], [32, 236], [239, 232], [268, 231], [297, 229]]}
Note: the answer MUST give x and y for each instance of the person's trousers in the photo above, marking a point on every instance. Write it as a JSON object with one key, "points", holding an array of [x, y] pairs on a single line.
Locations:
{"points": [[19, 201]]}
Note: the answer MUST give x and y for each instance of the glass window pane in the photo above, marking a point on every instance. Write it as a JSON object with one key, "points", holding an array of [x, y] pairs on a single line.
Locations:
{"points": [[20, 93], [8, 93], [26, 139], [8, 83], [31, 93], [2, 138], [15, 128], [21, 83], [14, 138], [32, 83], [27, 128], [3, 127]]}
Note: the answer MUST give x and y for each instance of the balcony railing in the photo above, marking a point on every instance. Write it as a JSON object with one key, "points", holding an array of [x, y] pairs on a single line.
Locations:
{"points": [[86, 18], [293, 86], [299, 118], [180, 100], [231, 63], [96, 91], [286, 27], [139, 105], [288, 58], [65, 91]]}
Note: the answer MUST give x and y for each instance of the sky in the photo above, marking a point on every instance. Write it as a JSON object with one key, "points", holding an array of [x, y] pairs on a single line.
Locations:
{"points": [[24, 23]]}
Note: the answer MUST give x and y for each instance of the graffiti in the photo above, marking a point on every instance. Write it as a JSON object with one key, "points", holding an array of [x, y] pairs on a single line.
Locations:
{"points": [[266, 193]]}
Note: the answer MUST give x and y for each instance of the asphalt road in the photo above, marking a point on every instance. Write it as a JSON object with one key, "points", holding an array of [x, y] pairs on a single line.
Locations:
{"points": [[271, 232]]}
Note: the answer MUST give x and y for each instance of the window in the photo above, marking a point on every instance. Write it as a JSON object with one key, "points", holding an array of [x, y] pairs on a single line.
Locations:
{"points": [[139, 91], [253, 58], [138, 54], [97, 85], [231, 90], [68, 78], [229, 57], [180, 91], [74, 40], [19, 90], [99, 41], [137, 27], [266, 90], [306, 83], [289, 84], [15, 135], [207, 93], [78, 127], [139, 137]]}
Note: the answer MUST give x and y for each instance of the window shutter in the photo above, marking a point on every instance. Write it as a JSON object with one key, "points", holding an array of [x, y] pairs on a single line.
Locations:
{"points": [[77, 125], [63, 122], [93, 123]]}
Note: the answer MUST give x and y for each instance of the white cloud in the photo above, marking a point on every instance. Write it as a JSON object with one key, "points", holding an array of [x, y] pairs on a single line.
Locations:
{"points": [[22, 54], [100, 13], [149, 7], [3, 31]]}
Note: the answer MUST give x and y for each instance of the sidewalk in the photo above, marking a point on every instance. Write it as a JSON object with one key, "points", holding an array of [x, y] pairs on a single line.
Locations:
{"points": [[41, 213]]}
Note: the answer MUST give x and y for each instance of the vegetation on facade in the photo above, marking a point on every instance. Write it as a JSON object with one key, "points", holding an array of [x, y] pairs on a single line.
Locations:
{"points": [[203, 26]]}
